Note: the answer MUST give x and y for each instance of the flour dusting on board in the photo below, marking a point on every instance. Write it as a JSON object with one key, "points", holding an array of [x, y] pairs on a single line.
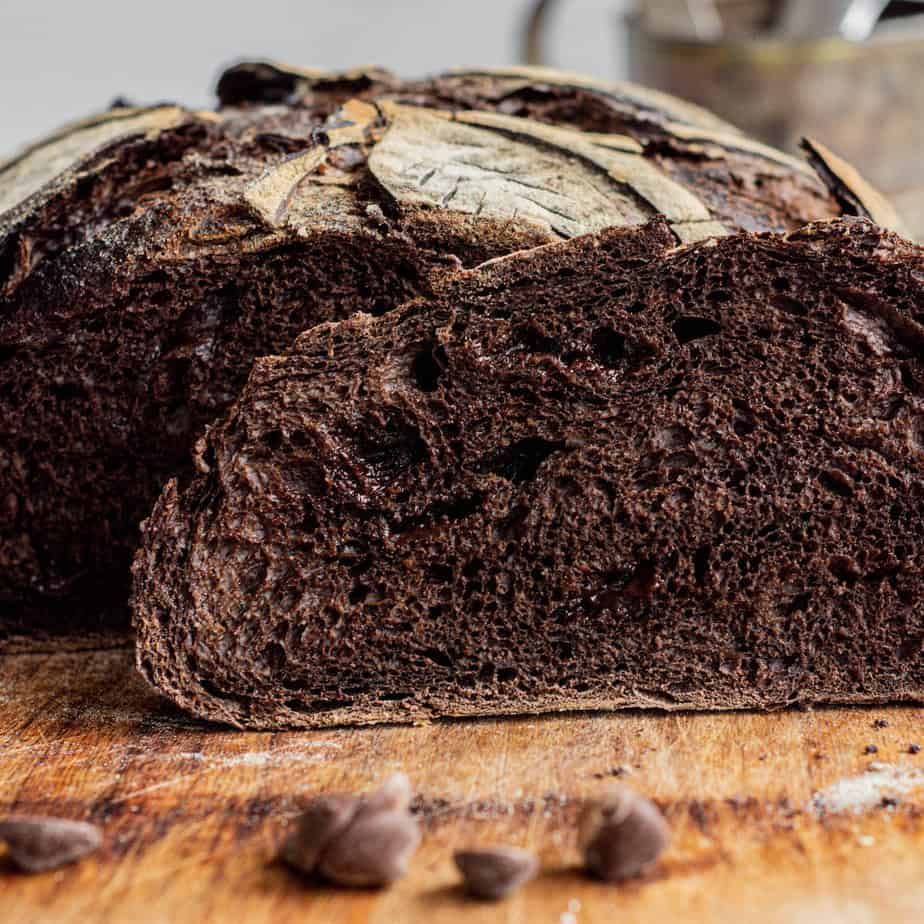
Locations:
{"points": [[274, 758], [855, 794]]}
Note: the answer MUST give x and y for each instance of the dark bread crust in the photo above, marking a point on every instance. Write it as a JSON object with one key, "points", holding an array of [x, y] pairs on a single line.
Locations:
{"points": [[139, 281], [600, 474]]}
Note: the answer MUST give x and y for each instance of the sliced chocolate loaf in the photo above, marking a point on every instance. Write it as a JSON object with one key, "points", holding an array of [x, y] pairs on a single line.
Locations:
{"points": [[148, 255], [604, 473]]}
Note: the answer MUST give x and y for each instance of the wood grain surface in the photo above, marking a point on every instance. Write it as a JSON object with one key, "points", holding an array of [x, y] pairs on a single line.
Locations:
{"points": [[776, 818]]}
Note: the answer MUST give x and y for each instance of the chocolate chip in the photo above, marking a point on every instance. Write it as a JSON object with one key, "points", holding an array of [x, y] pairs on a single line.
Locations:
{"points": [[36, 843], [494, 872], [914, 749], [871, 749], [622, 834], [881, 723], [373, 851], [322, 820], [356, 840]]}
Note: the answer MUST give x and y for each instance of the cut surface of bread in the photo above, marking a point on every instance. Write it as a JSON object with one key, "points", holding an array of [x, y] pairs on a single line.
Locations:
{"points": [[610, 472], [147, 255]]}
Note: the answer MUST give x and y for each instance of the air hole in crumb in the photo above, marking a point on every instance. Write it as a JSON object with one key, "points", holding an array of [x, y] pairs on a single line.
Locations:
{"points": [[844, 569], [438, 657], [609, 346], [789, 305], [513, 526], [69, 391], [744, 424], [453, 509], [642, 581], [701, 564], [799, 604], [837, 481], [472, 568], [520, 461], [274, 656], [428, 365], [273, 439], [359, 593], [440, 572], [688, 328], [535, 340], [324, 705], [14, 260], [310, 521], [392, 450]]}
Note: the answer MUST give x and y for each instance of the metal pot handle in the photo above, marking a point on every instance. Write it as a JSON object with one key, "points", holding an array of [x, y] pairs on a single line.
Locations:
{"points": [[536, 22], [700, 16]]}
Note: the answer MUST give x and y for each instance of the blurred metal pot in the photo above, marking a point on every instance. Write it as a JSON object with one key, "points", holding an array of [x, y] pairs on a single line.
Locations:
{"points": [[863, 100]]}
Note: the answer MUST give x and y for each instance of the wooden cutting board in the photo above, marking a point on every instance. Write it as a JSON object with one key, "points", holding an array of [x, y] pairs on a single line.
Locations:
{"points": [[776, 818]]}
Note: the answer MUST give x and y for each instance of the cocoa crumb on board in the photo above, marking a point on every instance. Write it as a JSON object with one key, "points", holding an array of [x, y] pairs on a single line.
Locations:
{"points": [[622, 834], [494, 872], [355, 840]]}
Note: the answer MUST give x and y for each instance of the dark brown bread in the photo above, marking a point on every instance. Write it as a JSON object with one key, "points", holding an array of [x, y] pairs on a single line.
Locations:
{"points": [[148, 255], [604, 473]]}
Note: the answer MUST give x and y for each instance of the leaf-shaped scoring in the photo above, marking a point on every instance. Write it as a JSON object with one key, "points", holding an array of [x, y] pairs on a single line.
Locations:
{"points": [[621, 158], [485, 164], [428, 159], [504, 167]]}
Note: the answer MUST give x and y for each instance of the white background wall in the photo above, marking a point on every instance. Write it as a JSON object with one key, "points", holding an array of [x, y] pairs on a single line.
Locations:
{"points": [[61, 59]]}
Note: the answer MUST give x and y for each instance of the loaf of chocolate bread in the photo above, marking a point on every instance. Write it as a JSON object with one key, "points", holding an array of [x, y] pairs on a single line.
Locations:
{"points": [[603, 473], [148, 255]]}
